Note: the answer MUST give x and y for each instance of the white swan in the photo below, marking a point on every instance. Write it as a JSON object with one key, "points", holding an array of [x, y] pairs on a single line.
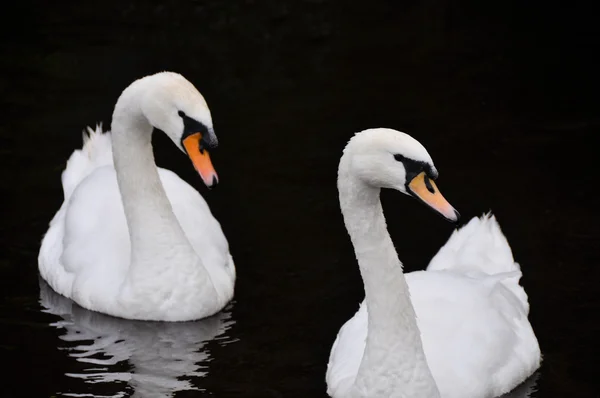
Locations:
{"points": [[467, 335], [131, 240]]}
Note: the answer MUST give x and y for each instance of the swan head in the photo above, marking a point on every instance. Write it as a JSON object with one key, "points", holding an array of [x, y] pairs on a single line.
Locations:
{"points": [[386, 158], [172, 104]]}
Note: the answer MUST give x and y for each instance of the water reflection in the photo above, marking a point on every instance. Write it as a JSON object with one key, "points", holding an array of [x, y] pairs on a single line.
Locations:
{"points": [[526, 389], [132, 358]]}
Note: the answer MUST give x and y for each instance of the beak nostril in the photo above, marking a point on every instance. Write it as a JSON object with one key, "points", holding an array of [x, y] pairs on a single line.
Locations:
{"points": [[428, 184]]}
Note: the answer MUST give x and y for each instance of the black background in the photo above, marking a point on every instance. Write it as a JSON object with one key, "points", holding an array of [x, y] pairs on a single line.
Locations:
{"points": [[502, 94]]}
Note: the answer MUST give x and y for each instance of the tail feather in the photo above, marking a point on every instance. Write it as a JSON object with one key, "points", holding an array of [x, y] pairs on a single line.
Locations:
{"points": [[95, 152], [480, 249]]}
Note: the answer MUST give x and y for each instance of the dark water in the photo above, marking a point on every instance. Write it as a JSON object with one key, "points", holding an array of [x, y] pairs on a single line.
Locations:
{"points": [[503, 96]]}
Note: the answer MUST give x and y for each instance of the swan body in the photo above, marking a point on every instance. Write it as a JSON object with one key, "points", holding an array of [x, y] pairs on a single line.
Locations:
{"points": [[459, 329], [132, 240]]}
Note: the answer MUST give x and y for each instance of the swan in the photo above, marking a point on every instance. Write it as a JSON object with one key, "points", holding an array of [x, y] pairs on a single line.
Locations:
{"points": [[132, 240], [459, 329]]}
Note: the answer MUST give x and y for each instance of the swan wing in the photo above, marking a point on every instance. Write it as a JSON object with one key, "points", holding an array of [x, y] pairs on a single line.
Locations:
{"points": [[480, 249]]}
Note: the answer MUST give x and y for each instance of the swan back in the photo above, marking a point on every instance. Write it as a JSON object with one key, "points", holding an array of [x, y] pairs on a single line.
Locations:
{"points": [[480, 249], [95, 152]]}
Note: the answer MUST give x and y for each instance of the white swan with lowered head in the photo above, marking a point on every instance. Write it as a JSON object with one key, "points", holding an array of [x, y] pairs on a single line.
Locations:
{"points": [[459, 329], [132, 240]]}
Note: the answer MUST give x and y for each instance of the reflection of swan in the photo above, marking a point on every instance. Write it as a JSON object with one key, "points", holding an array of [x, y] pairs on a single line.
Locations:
{"points": [[131, 240], [151, 358], [526, 389], [460, 329]]}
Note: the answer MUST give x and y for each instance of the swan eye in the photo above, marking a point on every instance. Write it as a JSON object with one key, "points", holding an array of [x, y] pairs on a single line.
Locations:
{"points": [[428, 185], [399, 157], [181, 113]]}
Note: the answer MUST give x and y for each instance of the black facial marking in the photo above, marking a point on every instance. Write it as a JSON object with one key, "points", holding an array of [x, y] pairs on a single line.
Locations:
{"points": [[414, 167], [192, 126]]}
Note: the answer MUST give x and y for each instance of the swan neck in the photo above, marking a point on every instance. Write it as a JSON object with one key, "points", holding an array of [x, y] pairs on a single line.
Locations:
{"points": [[393, 355], [386, 291], [153, 227]]}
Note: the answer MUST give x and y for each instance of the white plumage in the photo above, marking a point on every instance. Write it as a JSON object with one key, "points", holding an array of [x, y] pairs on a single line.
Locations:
{"points": [[180, 268], [471, 312]]}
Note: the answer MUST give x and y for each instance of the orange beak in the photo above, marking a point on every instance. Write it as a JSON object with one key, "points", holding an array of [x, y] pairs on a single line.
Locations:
{"points": [[200, 159], [425, 189]]}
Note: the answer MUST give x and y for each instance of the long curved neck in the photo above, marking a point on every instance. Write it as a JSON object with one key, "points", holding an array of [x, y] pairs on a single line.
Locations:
{"points": [[154, 231], [393, 360]]}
